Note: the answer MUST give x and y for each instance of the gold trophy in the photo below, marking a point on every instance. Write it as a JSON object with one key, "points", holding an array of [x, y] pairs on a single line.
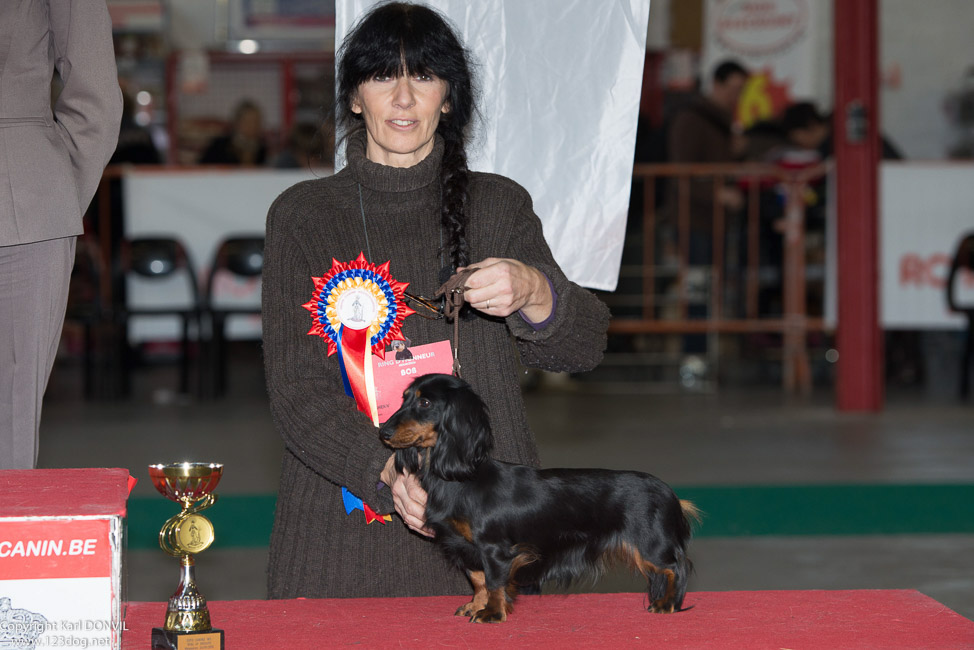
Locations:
{"points": [[183, 536]]}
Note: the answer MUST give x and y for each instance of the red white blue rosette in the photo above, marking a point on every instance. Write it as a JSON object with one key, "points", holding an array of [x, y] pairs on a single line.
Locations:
{"points": [[359, 309]]}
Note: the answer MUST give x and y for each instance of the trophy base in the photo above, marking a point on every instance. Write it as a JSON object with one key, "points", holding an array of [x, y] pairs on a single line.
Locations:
{"points": [[163, 639]]}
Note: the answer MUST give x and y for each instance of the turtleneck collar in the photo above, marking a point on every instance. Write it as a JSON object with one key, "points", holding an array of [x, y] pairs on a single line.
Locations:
{"points": [[383, 178]]}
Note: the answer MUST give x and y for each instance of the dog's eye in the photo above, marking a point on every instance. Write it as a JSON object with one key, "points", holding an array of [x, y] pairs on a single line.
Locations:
{"points": [[424, 403]]}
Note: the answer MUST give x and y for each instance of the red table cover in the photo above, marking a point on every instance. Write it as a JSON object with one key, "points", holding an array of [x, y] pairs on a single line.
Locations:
{"points": [[885, 619]]}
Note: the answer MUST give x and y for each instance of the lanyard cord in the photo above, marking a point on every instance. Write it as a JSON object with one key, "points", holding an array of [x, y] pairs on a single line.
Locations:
{"points": [[361, 206], [365, 227]]}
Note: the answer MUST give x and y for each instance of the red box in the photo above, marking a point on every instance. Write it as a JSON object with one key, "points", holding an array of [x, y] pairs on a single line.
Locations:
{"points": [[61, 557]]}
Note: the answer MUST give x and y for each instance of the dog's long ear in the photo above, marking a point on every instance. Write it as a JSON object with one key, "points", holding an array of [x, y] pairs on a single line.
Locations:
{"points": [[407, 459], [463, 436]]}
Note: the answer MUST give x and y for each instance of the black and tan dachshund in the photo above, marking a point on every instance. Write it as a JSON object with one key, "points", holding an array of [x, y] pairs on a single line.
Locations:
{"points": [[507, 525]]}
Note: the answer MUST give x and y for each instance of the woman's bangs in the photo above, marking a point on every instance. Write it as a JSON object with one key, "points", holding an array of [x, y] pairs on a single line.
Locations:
{"points": [[416, 55], [385, 60], [388, 60]]}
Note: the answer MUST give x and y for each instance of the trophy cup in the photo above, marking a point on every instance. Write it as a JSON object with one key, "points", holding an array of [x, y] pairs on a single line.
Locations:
{"points": [[183, 536]]}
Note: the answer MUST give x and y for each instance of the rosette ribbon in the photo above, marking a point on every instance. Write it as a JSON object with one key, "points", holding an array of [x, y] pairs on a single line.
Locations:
{"points": [[358, 308]]}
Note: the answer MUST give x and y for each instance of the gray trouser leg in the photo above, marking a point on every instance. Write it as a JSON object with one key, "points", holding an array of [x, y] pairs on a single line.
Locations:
{"points": [[34, 281]]}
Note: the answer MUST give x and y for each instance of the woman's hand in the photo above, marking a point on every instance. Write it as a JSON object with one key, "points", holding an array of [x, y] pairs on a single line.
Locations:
{"points": [[501, 287], [408, 497]]}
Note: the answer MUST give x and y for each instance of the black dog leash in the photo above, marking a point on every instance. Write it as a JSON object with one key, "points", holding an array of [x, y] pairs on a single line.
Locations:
{"points": [[452, 290]]}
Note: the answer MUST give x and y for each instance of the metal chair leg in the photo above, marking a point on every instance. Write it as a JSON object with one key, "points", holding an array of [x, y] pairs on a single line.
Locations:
{"points": [[184, 358], [220, 362]]}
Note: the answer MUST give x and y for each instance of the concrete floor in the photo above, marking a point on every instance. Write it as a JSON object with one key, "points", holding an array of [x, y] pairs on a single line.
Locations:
{"points": [[725, 438]]}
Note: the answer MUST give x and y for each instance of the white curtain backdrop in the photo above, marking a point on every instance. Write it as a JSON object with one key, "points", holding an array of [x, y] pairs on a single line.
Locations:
{"points": [[561, 82]]}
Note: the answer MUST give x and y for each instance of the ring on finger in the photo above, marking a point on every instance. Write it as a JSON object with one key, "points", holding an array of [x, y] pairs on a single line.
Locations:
{"points": [[488, 303]]}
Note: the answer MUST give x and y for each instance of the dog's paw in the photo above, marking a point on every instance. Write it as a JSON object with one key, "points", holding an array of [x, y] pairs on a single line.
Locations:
{"points": [[467, 610], [660, 607], [489, 616]]}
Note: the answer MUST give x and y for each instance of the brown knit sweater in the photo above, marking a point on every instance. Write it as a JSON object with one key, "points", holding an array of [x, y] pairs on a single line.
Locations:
{"points": [[316, 549]]}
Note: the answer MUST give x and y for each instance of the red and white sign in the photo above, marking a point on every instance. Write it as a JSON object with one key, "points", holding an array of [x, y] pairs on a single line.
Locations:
{"points": [[775, 40], [759, 27], [61, 557], [925, 210], [77, 548]]}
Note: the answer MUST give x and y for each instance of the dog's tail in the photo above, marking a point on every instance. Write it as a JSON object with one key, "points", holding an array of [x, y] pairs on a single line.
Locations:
{"points": [[682, 567], [691, 513]]}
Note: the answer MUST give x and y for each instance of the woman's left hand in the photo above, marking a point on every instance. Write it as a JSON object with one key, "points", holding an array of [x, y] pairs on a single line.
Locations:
{"points": [[501, 287], [410, 501]]}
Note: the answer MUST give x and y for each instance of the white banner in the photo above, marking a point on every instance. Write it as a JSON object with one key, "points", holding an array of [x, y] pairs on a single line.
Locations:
{"points": [[926, 209], [777, 40], [561, 83]]}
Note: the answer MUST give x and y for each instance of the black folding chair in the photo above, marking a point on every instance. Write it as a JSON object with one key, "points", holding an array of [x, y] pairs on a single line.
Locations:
{"points": [[150, 262], [241, 257]]}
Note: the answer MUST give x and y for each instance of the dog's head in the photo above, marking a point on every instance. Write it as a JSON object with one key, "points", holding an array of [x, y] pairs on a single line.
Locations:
{"points": [[442, 414]]}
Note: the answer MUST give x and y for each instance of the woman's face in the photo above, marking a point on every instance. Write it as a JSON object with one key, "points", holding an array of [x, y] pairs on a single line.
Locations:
{"points": [[400, 114]]}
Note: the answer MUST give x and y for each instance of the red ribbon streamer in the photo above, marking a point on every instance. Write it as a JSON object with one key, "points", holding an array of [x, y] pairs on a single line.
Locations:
{"points": [[353, 344]]}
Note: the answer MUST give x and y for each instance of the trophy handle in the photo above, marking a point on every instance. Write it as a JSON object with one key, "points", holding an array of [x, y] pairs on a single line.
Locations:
{"points": [[166, 534], [202, 504]]}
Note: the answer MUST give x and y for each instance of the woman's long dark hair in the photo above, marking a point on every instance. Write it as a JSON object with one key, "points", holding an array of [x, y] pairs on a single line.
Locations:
{"points": [[397, 36]]}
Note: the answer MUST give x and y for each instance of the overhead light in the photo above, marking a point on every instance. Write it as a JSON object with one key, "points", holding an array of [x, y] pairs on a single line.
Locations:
{"points": [[248, 46], [143, 98]]}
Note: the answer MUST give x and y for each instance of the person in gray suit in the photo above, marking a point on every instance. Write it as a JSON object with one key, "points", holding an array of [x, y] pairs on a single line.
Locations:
{"points": [[51, 160]]}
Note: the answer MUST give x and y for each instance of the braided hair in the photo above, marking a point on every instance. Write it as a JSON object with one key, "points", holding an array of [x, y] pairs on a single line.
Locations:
{"points": [[399, 38]]}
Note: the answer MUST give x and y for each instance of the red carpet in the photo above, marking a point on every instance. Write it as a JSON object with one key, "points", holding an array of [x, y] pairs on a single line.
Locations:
{"points": [[736, 619]]}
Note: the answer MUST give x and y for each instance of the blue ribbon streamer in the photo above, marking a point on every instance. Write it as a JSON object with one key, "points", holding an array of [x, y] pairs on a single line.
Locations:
{"points": [[351, 501], [341, 363]]}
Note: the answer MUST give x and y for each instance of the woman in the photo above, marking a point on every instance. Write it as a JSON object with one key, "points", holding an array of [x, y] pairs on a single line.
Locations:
{"points": [[406, 98]]}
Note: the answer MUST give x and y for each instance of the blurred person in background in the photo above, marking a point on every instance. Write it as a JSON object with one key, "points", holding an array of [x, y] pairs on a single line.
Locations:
{"points": [[303, 149], [808, 129], [244, 144], [702, 131], [53, 157]]}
